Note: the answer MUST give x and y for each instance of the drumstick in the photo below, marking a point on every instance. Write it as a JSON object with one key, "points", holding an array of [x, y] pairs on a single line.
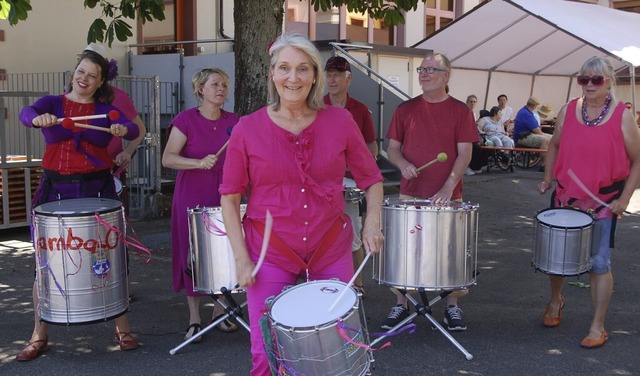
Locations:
{"points": [[265, 243], [350, 282], [586, 190], [222, 148], [442, 157], [225, 144], [112, 115], [68, 123]]}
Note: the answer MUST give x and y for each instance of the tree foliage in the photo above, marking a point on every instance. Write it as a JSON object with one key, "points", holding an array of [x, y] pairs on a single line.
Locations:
{"points": [[256, 24], [116, 14]]}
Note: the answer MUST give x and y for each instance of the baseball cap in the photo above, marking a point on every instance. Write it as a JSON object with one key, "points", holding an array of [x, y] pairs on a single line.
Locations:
{"points": [[337, 63]]}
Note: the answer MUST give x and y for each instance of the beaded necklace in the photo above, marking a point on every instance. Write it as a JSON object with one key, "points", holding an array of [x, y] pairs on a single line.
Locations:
{"points": [[596, 121]]}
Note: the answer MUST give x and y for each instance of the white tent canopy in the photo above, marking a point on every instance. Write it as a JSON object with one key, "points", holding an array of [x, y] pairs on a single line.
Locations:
{"points": [[538, 38]]}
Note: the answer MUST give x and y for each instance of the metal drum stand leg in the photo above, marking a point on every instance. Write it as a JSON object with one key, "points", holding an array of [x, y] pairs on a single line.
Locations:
{"points": [[425, 310], [232, 309]]}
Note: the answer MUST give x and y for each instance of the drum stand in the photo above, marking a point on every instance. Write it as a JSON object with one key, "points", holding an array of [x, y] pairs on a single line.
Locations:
{"points": [[425, 310], [232, 309]]}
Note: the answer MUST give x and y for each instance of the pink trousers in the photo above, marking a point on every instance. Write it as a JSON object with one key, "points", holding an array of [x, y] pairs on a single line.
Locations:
{"points": [[269, 282]]}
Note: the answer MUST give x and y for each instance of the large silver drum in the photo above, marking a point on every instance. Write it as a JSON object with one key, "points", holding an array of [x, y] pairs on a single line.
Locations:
{"points": [[562, 242], [81, 260], [212, 263], [308, 336], [428, 246]]}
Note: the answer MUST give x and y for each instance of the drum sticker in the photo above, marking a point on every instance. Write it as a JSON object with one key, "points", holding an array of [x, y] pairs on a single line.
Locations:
{"points": [[329, 290], [101, 268], [353, 343]]}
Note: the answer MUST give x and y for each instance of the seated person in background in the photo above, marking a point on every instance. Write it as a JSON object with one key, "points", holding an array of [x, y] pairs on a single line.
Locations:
{"points": [[479, 157], [542, 113], [527, 132], [507, 113], [494, 130]]}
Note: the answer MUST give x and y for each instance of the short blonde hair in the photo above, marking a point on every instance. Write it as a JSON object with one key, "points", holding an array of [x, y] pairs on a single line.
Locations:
{"points": [[601, 65], [315, 98], [201, 77]]}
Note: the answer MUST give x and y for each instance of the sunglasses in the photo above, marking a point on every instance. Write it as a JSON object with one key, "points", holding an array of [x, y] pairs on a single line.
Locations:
{"points": [[595, 80], [429, 70]]}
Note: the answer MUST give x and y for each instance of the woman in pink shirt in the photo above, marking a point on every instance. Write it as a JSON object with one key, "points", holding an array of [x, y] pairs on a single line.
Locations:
{"points": [[597, 139], [289, 158]]}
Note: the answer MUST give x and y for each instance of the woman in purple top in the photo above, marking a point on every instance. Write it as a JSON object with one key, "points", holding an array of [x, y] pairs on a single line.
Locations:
{"points": [[289, 158], [195, 136], [76, 163]]}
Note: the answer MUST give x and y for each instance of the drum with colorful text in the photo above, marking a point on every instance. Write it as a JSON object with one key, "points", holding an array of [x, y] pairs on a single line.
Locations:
{"points": [[81, 260]]}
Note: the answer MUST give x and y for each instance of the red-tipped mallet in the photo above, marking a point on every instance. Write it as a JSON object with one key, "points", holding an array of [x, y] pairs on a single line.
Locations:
{"points": [[113, 115], [442, 157], [68, 123]]}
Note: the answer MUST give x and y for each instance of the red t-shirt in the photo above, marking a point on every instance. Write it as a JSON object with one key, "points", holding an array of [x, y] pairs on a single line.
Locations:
{"points": [[361, 115], [426, 129]]}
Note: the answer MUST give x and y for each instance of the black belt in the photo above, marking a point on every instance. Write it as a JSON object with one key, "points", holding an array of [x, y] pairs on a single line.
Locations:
{"points": [[56, 177]]}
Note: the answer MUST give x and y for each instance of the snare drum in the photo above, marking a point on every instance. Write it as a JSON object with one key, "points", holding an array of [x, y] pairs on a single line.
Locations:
{"points": [[428, 246], [307, 334], [562, 242], [211, 259], [350, 191], [81, 262]]}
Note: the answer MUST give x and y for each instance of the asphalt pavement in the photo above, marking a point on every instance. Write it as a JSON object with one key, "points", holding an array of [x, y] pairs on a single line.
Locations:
{"points": [[503, 310]]}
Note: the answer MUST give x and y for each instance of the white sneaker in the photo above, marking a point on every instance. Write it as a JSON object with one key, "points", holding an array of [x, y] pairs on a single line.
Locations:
{"points": [[469, 171], [478, 171]]}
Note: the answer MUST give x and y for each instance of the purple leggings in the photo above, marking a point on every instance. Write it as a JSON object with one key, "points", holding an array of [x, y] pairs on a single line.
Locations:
{"points": [[269, 282]]}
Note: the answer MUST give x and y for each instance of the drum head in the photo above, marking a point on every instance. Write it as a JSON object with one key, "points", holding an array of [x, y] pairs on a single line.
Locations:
{"points": [[307, 304], [565, 218], [78, 207]]}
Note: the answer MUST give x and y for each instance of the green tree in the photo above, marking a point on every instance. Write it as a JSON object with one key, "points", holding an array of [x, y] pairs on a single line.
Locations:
{"points": [[257, 23]]}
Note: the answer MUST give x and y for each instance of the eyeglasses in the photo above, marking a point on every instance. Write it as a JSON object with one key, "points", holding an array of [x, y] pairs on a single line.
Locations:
{"points": [[595, 80], [429, 70]]}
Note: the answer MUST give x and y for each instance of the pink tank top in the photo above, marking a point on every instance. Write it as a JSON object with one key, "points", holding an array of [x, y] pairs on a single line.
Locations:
{"points": [[598, 158]]}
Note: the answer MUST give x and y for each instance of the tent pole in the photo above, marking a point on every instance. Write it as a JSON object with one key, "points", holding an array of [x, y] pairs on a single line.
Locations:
{"points": [[632, 81], [486, 92]]}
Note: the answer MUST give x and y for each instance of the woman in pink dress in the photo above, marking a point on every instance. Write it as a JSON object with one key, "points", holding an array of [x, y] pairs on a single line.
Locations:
{"points": [[289, 158], [195, 136], [597, 140]]}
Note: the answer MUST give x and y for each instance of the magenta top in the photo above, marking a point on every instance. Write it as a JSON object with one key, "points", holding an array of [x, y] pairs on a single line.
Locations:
{"points": [[122, 102], [596, 155], [298, 178]]}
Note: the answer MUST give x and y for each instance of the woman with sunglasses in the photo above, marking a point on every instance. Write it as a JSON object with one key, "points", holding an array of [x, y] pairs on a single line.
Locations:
{"points": [[594, 155]]}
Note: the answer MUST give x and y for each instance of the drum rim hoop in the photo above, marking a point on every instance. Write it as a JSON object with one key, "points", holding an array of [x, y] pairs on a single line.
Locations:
{"points": [[84, 214], [590, 224]]}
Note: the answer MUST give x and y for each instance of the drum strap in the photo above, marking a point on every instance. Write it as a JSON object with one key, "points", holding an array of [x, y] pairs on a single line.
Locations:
{"points": [[327, 240]]}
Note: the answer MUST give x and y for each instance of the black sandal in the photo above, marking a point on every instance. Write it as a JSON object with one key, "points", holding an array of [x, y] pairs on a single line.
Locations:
{"points": [[192, 330]]}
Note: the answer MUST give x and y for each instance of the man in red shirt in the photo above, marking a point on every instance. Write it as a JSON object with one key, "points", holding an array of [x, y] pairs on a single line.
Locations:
{"points": [[421, 129], [338, 73]]}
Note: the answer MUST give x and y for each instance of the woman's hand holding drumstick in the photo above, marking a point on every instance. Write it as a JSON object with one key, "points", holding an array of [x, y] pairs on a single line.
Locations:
{"points": [[115, 129], [112, 115]]}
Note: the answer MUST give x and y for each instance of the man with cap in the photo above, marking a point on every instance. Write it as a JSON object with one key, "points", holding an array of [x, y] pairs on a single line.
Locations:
{"points": [[527, 132], [338, 73]]}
